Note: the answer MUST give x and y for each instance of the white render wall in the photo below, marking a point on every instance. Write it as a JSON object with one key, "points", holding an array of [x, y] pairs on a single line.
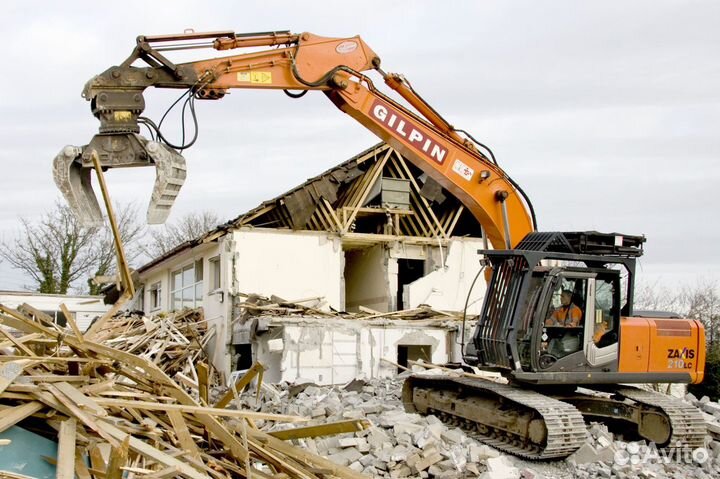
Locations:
{"points": [[334, 351], [446, 287], [293, 265]]}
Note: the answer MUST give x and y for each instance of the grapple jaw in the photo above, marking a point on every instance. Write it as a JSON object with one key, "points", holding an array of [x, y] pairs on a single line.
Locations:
{"points": [[72, 169]]}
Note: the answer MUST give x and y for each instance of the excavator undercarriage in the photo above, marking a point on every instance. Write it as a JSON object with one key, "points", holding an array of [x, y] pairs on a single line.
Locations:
{"points": [[540, 425]]}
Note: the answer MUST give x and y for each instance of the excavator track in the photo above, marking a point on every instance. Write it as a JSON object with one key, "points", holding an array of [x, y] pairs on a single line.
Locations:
{"points": [[521, 422], [687, 426]]}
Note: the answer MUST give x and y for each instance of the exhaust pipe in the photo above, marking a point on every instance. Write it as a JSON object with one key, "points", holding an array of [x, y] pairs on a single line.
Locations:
{"points": [[72, 169]]}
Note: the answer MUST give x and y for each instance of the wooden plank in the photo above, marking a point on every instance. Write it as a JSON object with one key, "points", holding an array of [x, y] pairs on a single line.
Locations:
{"points": [[328, 429], [71, 321], [100, 323], [81, 470], [146, 449], [9, 372], [20, 346], [14, 415], [118, 459], [451, 228], [203, 372], [183, 434], [76, 411], [66, 449], [80, 399], [97, 462], [153, 406], [239, 385], [259, 439]]}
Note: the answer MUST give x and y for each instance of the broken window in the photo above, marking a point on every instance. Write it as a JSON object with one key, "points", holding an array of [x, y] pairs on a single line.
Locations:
{"points": [[155, 296], [186, 286]]}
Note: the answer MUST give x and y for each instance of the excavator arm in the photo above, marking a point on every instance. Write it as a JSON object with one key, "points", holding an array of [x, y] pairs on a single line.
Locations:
{"points": [[294, 63]]}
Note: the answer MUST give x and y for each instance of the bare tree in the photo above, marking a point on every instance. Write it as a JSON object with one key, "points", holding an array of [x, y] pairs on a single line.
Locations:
{"points": [[703, 304], [656, 297], [57, 252], [186, 228]]}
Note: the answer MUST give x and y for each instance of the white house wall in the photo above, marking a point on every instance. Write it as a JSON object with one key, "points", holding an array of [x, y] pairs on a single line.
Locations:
{"points": [[446, 287], [291, 265], [367, 280], [328, 351]]}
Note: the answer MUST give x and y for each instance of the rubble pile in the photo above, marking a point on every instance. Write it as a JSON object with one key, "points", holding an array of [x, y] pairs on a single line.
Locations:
{"points": [[398, 444], [106, 397], [605, 455]]}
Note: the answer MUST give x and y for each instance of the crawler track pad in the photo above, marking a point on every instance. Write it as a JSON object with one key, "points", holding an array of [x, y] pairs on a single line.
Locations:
{"points": [[73, 165]]}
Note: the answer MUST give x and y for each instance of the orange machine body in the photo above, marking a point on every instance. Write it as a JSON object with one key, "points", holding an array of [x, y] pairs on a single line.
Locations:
{"points": [[655, 345]]}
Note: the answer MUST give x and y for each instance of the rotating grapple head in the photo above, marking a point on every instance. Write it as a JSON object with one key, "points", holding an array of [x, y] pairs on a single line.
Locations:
{"points": [[73, 166], [118, 145]]}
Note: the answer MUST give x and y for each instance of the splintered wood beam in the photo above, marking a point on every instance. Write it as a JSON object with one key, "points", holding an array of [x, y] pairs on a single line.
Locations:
{"points": [[328, 429], [154, 406], [100, 323], [146, 449], [71, 321], [9, 372], [203, 372], [239, 385], [14, 415], [183, 434], [118, 459], [66, 449], [19, 345]]}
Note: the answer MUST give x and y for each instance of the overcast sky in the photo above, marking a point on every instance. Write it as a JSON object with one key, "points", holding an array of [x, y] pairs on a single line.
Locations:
{"points": [[607, 113]]}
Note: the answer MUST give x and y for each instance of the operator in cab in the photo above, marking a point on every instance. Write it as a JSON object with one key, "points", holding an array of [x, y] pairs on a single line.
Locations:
{"points": [[567, 315]]}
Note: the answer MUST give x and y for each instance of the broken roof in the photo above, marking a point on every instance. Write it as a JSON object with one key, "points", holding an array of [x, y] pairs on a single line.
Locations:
{"points": [[347, 199]]}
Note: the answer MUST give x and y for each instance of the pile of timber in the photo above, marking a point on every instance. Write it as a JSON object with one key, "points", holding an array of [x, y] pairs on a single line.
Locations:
{"points": [[129, 399], [255, 305]]}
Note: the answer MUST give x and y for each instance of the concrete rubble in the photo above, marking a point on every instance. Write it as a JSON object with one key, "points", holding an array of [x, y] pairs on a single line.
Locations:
{"points": [[410, 445]]}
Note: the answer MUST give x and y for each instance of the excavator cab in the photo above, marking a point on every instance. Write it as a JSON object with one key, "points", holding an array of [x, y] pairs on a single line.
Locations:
{"points": [[559, 311]]}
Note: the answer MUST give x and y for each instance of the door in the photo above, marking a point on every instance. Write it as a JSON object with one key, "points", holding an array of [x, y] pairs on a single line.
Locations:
{"points": [[602, 320]]}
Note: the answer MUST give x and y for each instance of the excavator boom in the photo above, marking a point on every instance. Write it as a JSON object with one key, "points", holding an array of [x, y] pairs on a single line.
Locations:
{"points": [[293, 63]]}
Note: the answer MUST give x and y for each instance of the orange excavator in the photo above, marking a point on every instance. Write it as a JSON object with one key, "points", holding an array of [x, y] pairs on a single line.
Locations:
{"points": [[557, 320]]}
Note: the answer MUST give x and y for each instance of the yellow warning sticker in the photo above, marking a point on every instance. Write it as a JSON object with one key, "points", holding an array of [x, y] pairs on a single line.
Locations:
{"points": [[243, 76], [122, 115], [261, 77]]}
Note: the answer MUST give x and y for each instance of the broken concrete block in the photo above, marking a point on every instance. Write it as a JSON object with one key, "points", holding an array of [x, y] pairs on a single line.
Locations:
{"points": [[401, 471], [426, 462], [455, 436], [481, 452], [502, 468]]}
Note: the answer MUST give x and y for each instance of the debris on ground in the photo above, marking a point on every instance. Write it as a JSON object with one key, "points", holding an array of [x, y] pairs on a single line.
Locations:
{"points": [[131, 400]]}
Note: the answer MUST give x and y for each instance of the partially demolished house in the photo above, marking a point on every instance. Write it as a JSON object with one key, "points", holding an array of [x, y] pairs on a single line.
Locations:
{"points": [[367, 238]]}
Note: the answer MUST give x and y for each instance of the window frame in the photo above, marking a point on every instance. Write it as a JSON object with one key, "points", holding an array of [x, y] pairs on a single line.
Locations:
{"points": [[197, 271]]}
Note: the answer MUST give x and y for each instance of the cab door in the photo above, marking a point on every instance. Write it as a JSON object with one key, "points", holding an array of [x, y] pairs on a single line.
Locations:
{"points": [[602, 321]]}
